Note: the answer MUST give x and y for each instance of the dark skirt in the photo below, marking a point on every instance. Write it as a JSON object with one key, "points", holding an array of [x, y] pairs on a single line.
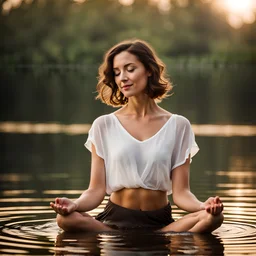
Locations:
{"points": [[120, 217]]}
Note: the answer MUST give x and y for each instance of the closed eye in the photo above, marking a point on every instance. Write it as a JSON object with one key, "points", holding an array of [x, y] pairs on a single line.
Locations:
{"points": [[129, 68]]}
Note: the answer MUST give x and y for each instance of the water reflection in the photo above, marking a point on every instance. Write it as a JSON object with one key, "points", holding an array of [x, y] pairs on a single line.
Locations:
{"points": [[237, 175], [17, 192], [75, 129], [139, 243], [40, 128]]}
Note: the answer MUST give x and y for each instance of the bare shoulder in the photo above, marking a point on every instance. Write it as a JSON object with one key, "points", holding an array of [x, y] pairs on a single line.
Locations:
{"points": [[119, 112], [164, 114]]}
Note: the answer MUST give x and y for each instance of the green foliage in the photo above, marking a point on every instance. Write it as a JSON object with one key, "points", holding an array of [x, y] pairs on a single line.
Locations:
{"points": [[50, 31]]}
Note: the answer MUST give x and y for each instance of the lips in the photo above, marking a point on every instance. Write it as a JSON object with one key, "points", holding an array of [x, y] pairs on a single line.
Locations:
{"points": [[126, 86]]}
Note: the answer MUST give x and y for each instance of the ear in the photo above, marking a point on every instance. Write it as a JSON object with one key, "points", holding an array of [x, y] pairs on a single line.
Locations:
{"points": [[149, 74]]}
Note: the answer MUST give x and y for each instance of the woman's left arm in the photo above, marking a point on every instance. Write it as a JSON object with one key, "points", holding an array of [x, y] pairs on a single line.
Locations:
{"points": [[185, 199]]}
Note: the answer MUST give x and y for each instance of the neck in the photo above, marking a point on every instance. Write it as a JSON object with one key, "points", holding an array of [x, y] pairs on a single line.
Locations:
{"points": [[141, 107]]}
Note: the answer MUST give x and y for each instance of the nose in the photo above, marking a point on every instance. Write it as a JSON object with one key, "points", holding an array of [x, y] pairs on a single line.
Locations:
{"points": [[123, 76]]}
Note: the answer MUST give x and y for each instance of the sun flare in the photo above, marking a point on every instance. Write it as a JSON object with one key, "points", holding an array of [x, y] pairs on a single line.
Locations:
{"points": [[238, 11], [238, 6]]}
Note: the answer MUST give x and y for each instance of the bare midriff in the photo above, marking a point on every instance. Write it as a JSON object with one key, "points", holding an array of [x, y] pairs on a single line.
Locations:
{"points": [[140, 199]]}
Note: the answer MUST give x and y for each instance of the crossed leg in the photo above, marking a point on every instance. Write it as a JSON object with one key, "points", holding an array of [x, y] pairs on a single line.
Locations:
{"points": [[77, 221], [198, 222]]}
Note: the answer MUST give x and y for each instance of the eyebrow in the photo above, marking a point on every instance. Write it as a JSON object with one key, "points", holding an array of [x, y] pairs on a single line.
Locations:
{"points": [[126, 65]]}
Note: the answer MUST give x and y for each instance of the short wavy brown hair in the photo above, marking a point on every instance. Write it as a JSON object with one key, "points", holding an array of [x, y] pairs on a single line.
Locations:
{"points": [[158, 84]]}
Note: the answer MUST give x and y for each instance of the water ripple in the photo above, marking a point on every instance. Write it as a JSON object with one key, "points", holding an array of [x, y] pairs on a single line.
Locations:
{"points": [[35, 232]]}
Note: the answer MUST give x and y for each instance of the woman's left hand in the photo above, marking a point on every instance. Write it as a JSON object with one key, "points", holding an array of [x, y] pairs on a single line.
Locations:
{"points": [[213, 205]]}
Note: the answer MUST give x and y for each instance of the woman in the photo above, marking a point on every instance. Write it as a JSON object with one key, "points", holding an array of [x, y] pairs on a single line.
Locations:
{"points": [[141, 153]]}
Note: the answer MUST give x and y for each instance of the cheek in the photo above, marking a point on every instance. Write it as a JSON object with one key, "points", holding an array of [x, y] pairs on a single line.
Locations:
{"points": [[140, 78], [143, 80]]}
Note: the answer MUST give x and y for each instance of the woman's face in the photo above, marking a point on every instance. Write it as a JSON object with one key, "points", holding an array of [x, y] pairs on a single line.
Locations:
{"points": [[130, 74]]}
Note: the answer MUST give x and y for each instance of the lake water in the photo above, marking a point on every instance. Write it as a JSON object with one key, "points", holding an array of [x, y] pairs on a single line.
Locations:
{"points": [[45, 116]]}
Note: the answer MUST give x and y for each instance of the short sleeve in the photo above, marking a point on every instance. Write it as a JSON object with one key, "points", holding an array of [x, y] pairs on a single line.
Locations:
{"points": [[95, 137], [185, 143]]}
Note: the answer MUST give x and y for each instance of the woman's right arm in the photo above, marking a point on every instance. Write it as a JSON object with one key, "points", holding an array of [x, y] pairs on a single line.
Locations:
{"points": [[90, 198], [94, 195]]}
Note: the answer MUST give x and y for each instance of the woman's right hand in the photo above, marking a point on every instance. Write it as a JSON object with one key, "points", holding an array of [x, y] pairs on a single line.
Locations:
{"points": [[63, 206]]}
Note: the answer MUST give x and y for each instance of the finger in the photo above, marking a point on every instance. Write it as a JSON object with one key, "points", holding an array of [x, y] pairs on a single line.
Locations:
{"points": [[220, 208], [208, 208], [217, 200], [54, 208], [59, 207], [61, 200], [58, 201], [216, 209], [65, 211], [212, 208], [52, 205]]}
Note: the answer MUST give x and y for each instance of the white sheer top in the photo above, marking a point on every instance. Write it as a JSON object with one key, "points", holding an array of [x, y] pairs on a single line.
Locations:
{"points": [[130, 163]]}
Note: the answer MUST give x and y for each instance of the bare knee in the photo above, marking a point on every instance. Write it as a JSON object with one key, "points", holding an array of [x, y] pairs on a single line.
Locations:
{"points": [[70, 222], [62, 222]]}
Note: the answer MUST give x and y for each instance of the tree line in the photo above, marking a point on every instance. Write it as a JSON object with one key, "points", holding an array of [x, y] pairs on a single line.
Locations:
{"points": [[64, 32]]}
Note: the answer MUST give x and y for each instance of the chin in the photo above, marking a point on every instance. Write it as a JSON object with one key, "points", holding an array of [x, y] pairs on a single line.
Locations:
{"points": [[128, 94]]}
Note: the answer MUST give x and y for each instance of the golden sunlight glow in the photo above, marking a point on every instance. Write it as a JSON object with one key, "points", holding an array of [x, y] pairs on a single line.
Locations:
{"points": [[126, 2], [238, 11], [164, 6], [79, 1], [15, 3], [10, 4], [6, 7], [237, 6]]}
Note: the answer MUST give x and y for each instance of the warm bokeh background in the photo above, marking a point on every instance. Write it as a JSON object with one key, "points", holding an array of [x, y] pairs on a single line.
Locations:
{"points": [[79, 31]]}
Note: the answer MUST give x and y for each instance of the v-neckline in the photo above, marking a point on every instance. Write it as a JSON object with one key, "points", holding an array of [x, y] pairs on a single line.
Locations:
{"points": [[142, 141]]}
